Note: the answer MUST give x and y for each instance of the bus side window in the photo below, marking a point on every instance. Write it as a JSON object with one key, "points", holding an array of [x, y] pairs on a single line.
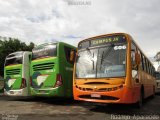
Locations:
{"points": [[133, 57], [133, 54], [149, 67], [133, 61], [147, 70], [72, 55], [145, 64], [142, 62], [67, 53]]}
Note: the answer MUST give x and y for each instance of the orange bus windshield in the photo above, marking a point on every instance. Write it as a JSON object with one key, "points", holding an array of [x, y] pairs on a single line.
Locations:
{"points": [[102, 62]]}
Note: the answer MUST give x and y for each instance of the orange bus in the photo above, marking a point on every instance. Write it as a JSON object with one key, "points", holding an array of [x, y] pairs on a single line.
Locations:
{"points": [[112, 68]]}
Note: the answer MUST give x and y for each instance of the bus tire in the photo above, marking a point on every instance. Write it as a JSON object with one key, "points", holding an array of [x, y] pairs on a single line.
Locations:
{"points": [[139, 104], [153, 92]]}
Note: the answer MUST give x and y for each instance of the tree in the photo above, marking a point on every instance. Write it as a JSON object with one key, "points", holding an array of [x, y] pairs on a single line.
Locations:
{"points": [[157, 56], [11, 45]]}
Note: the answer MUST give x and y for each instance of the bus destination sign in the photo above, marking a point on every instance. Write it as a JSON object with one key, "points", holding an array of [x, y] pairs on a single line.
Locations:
{"points": [[102, 41]]}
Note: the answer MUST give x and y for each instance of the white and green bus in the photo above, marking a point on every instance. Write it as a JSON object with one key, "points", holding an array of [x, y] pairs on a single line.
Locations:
{"points": [[16, 74]]}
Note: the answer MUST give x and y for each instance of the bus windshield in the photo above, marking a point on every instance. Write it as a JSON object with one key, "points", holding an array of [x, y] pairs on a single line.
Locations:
{"points": [[49, 50], [15, 58], [102, 61]]}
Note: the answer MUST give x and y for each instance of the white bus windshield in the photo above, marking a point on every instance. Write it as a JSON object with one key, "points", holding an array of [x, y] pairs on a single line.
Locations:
{"points": [[14, 58]]}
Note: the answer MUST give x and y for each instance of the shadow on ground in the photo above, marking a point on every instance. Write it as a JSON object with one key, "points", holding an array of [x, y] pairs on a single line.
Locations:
{"points": [[148, 108], [151, 105]]}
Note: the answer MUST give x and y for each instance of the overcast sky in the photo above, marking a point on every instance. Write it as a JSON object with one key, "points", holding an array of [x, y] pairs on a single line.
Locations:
{"points": [[42, 21]]}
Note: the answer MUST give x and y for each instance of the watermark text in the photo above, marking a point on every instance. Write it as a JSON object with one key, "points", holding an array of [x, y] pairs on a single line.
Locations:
{"points": [[134, 117], [79, 2]]}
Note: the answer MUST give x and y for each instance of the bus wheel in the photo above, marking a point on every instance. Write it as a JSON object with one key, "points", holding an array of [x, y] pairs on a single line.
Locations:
{"points": [[139, 104]]}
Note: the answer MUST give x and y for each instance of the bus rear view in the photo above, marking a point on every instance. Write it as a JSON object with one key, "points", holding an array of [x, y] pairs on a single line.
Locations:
{"points": [[51, 70], [16, 74]]}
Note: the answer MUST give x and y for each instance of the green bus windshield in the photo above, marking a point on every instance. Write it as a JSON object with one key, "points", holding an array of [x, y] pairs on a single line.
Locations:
{"points": [[47, 50]]}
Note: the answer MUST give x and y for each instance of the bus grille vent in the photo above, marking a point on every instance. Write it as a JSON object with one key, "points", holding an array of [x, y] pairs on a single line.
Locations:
{"points": [[100, 89], [103, 97], [13, 72], [44, 66]]}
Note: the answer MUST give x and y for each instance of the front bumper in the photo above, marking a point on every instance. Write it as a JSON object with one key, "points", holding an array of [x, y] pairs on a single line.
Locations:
{"points": [[124, 95]]}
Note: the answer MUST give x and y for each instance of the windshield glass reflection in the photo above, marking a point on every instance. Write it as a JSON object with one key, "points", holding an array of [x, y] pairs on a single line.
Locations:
{"points": [[108, 61]]}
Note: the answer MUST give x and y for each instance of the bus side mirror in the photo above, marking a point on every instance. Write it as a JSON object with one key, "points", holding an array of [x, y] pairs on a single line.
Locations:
{"points": [[137, 58], [72, 55]]}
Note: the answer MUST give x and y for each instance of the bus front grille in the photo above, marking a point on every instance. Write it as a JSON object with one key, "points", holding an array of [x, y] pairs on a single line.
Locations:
{"points": [[102, 97], [100, 89], [44, 66], [13, 72]]}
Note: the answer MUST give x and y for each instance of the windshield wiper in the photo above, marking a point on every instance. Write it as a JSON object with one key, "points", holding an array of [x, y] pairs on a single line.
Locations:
{"points": [[102, 60], [90, 56], [107, 53]]}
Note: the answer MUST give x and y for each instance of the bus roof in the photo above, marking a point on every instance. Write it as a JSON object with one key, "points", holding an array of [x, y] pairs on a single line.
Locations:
{"points": [[11, 55], [104, 35], [44, 44]]}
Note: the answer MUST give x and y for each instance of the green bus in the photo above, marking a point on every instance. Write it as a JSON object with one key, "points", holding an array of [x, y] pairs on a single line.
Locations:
{"points": [[16, 74], [52, 69]]}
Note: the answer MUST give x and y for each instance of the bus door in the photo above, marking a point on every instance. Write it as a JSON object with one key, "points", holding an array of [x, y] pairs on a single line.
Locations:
{"points": [[68, 70]]}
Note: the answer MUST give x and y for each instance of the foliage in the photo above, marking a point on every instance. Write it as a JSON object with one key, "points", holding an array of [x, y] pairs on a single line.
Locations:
{"points": [[9, 46], [157, 57]]}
